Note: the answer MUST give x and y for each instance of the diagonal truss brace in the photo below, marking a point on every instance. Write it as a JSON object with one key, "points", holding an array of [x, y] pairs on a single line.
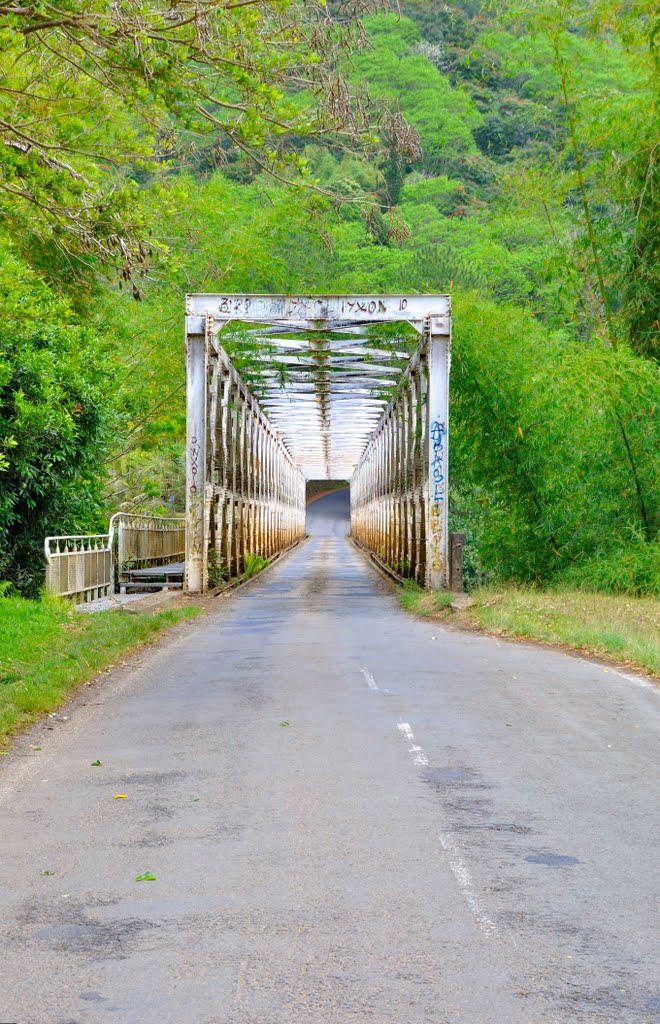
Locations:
{"points": [[245, 495], [400, 468]]}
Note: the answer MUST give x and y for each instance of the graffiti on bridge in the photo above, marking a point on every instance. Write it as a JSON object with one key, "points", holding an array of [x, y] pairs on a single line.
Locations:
{"points": [[437, 486]]}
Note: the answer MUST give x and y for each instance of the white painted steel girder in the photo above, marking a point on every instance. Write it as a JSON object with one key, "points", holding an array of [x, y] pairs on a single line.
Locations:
{"points": [[323, 389], [310, 310]]}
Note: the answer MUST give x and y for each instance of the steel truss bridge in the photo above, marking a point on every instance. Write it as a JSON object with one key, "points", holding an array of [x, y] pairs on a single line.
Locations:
{"points": [[282, 389]]}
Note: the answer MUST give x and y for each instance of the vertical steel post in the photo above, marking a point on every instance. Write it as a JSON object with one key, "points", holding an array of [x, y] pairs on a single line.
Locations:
{"points": [[197, 354], [437, 424]]}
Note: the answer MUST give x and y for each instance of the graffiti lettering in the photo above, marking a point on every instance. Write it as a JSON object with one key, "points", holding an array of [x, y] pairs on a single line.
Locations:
{"points": [[369, 307], [231, 306], [306, 307], [438, 435], [194, 464], [438, 492]]}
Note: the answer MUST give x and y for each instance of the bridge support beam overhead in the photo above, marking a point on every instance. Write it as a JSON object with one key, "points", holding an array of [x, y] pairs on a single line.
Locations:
{"points": [[336, 387]]}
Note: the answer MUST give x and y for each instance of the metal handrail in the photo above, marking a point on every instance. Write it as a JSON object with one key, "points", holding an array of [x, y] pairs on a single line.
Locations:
{"points": [[88, 566], [81, 565], [161, 520]]}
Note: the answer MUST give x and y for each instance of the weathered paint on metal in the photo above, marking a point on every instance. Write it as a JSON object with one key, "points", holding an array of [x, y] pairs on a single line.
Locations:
{"points": [[79, 566], [329, 418], [438, 358], [399, 489], [144, 541], [313, 309], [197, 349], [256, 491], [88, 566]]}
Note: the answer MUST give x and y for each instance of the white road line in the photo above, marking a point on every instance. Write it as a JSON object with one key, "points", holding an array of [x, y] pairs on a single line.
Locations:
{"points": [[457, 865], [462, 875], [369, 679], [371, 682], [418, 755]]}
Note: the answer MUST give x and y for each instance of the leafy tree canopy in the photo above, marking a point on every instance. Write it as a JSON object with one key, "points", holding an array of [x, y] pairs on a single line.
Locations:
{"points": [[95, 98]]}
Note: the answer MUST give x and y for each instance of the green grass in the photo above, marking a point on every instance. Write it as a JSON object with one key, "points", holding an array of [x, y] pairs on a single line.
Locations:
{"points": [[47, 648], [424, 602], [253, 565], [623, 628]]}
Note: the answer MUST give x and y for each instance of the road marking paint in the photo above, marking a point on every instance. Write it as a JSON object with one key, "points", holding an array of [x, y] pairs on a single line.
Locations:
{"points": [[462, 875], [369, 679], [457, 865], [371, 682], [418, 755]]}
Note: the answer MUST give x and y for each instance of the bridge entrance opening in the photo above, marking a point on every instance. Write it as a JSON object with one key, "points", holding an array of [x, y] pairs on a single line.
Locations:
{"points": [[285, 389]]}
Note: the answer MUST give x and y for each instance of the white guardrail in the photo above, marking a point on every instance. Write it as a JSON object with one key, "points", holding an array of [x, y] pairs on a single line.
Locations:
{"points": [[89, 566]]}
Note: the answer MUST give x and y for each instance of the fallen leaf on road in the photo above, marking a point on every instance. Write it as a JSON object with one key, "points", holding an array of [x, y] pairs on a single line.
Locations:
{"points": [[46, 872], [95, 764], [121, 796], [146, 877], [283, 724]]}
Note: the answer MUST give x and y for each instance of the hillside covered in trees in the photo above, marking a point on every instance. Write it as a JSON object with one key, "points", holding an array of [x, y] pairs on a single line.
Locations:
{"points": [[506, 154]]}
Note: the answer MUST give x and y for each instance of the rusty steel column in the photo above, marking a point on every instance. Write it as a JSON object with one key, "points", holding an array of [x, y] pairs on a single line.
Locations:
{"points": [[244, 493], [197, 352], [437, 419]]}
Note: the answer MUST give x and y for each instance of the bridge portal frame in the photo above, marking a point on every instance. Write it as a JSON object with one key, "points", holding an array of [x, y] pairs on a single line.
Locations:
{"points": [[207, 314]]}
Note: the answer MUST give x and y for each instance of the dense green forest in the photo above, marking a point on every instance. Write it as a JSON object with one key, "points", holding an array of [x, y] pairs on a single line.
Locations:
{"points": [[506, 154]]}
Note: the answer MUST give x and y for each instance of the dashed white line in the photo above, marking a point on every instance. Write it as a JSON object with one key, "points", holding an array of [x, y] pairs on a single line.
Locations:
{"points": [[369, 679], [462, 875], [456, 863], [371, 682], [418, 755]]}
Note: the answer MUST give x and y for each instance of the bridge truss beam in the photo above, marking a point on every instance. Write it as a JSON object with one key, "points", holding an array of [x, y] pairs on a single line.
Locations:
{"points": [[245, 495], [327, 371], [399, 507]]}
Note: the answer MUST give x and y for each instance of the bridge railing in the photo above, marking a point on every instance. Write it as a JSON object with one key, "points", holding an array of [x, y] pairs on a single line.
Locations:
{"points": [[80, 566], [89, 566], [144, 541]]}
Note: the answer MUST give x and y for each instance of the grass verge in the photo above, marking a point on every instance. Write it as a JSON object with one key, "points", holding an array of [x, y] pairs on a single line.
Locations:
{"points": [[622, 628], [47, 649]]}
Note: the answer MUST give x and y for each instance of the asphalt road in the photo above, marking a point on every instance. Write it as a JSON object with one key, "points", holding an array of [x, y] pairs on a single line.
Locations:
{"points": [[351, 816]]}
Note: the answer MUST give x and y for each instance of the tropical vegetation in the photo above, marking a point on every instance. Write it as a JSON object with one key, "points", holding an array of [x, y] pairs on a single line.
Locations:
{"points": [[506, 154]]}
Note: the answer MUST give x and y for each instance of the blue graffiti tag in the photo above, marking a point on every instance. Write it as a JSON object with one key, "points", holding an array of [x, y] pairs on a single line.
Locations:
{"points": [[438, 435]]}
